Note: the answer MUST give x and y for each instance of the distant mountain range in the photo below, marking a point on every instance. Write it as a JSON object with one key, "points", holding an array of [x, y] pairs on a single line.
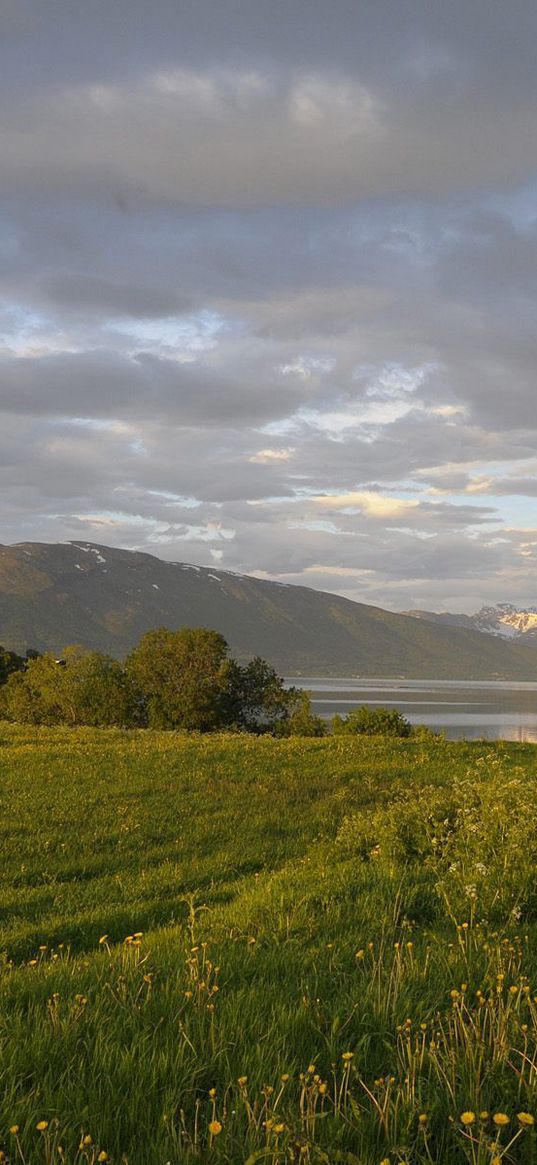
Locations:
{"points": [[105, 598], [503, 620]]}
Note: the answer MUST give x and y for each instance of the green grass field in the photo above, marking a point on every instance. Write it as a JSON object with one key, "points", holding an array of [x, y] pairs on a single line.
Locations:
{"points": [[231, 949]]}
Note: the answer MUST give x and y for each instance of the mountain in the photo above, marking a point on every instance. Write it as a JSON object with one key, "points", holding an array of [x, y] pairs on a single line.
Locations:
{"points": [[105, 598], [503, 620]]}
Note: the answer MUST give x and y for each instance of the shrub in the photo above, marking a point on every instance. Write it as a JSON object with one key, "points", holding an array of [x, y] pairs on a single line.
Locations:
{"points": [[366, 721], [301, 721]]}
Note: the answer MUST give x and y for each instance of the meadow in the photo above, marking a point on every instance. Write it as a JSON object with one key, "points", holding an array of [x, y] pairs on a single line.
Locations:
{"points": [[235, 950]]}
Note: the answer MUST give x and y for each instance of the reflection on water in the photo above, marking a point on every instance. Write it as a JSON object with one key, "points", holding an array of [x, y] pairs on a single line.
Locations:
{"points": [[473, 709]]}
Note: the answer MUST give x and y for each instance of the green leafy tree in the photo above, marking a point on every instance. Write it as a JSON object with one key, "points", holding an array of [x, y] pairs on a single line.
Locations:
{"points": [[366, 721], [84, 687], [9, 662], [182, 678], [256, 699]]}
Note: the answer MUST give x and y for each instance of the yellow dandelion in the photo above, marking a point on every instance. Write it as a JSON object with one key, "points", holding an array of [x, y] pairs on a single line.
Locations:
{"points": [[42, 1126], [215, 1128], [102, 1156], [500, 1119], [103, 939], [347, 1056], [467, 1118], [323, 1089], [242, 1081], [14, 1130], [423, 1118], [278, 1128], [526, 1118], [484, 1116], [212, 1092], [311, 1068], [285, 1078], [87, 1140]]}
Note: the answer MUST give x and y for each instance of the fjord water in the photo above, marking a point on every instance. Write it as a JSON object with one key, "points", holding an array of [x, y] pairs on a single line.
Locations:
{"points": [[461, 709]]}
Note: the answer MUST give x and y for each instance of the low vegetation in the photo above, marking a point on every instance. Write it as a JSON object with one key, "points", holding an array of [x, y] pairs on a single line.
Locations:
{"points": [[240, 949]]}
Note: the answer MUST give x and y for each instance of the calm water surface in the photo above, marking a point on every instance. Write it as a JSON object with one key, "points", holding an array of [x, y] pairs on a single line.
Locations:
{"points": [[473, 709]]}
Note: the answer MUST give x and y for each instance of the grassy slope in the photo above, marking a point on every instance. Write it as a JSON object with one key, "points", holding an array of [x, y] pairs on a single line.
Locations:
{"points": [[112, 833]]}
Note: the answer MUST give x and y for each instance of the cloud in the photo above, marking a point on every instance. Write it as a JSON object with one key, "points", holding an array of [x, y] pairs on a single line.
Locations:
{"points": [[372, 504], [268, 289], [265, 456]]}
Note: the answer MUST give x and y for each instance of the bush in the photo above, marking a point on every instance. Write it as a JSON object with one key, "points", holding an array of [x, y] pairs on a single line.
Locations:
{"points": [[302, 720], [366, 721]]}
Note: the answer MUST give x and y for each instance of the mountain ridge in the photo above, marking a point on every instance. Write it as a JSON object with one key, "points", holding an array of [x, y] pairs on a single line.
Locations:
{"points": [[105, 598], [503, 620]]}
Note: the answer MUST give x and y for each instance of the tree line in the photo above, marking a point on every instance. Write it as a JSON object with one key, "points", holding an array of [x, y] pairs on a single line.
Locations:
{"points": [[184, 680]]}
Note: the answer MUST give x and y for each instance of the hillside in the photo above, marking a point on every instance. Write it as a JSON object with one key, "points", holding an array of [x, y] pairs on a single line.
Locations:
{"points": [[105, 598]]}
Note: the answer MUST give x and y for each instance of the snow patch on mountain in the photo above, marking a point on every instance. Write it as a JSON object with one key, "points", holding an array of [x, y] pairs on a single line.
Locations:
{"points": [[503, 620]]}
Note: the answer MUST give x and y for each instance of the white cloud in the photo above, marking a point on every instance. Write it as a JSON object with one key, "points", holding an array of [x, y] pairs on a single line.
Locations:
{"points": [[372, 504]]}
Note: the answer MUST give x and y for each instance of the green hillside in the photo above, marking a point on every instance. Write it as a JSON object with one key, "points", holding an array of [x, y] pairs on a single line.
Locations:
{"points": [[105, 598], [232, 950]]}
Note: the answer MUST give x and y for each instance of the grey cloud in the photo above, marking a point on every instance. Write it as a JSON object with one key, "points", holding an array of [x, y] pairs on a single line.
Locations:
{"points": [[248, 138], [107, 384], [91, 294]]}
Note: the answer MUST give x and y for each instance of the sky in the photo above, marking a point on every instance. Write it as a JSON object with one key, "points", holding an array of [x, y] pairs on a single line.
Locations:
{"points": [[268, 283]]}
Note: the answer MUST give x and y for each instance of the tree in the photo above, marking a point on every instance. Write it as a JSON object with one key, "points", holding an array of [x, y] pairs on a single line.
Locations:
{"points": [[9, 662], [256, 698], [181, 678], [366, 721], [84, 687]]}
